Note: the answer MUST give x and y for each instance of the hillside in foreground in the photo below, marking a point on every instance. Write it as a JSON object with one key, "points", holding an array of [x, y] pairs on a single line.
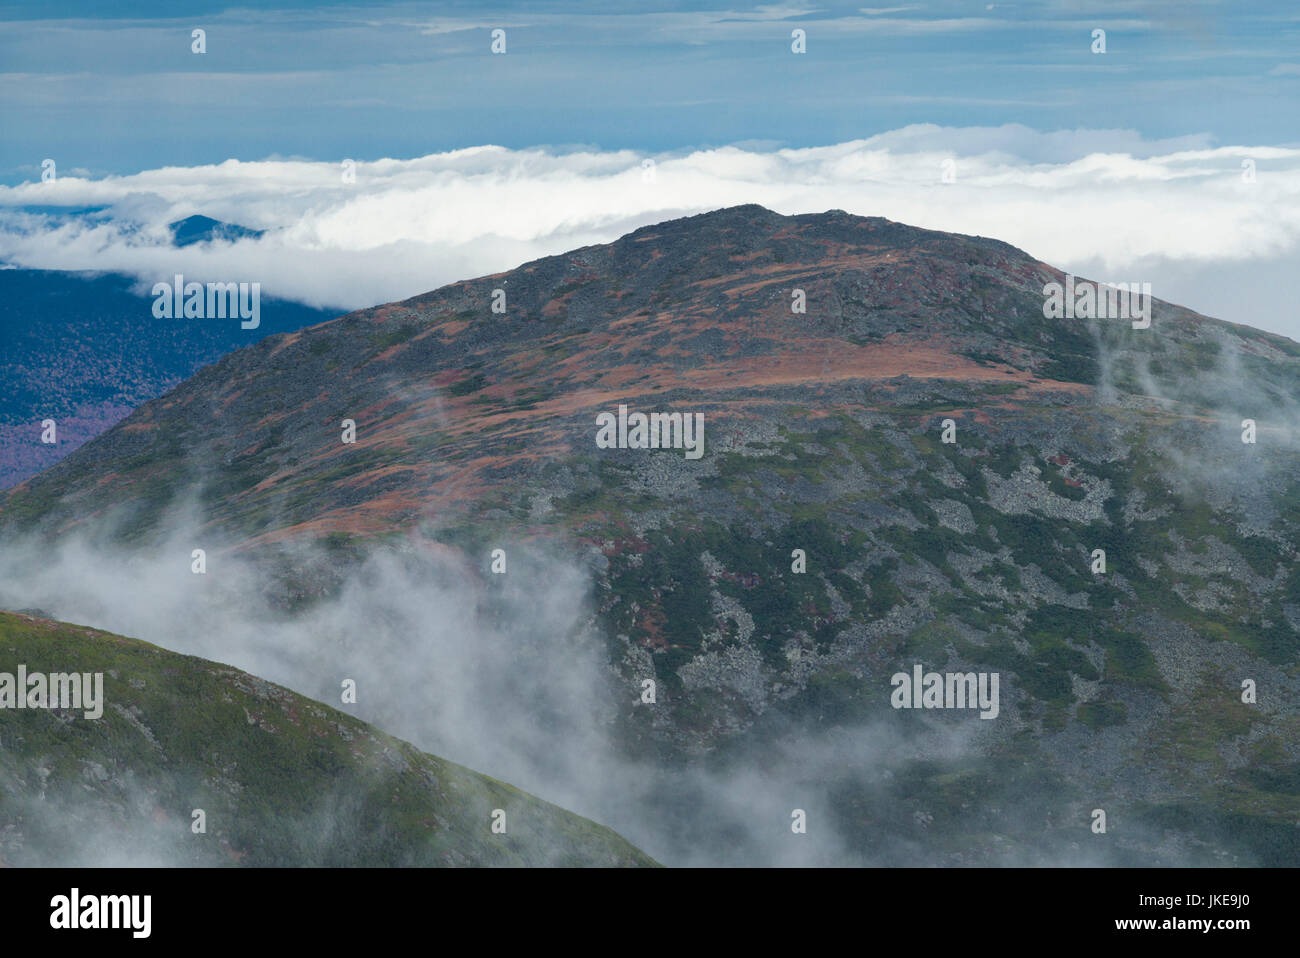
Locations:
{"points": [[281, 780]]}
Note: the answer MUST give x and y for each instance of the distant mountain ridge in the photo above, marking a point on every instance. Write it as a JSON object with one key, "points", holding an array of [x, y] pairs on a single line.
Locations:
{"points": [[204, 229], [84, 349]]}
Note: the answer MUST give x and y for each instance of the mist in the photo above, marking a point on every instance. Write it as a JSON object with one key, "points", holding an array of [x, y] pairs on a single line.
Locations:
{"points": [[501, 673]]}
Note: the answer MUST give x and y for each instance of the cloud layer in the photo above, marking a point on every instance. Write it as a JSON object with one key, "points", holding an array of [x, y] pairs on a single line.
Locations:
{"points": [[1205, 224]]}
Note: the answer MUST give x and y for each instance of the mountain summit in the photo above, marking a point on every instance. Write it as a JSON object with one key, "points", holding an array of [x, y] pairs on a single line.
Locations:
{"points": [[457, 389]]}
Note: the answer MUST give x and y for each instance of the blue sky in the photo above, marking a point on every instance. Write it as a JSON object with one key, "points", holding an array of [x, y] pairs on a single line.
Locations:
{"points": [[114, 88], [1126, 166]]}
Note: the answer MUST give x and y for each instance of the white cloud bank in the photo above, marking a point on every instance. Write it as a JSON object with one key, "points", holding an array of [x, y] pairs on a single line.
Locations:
{"points": [[1177, 213]]}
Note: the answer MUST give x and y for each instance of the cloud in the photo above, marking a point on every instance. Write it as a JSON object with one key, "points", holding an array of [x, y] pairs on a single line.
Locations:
{"points": [[1174, 208]]}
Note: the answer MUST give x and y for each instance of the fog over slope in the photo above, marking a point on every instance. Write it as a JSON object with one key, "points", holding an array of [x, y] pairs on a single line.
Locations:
{"points": [[175, 760]]}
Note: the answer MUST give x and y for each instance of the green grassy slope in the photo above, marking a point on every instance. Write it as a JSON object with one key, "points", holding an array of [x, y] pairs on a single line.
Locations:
{"points": [[282, 780]]}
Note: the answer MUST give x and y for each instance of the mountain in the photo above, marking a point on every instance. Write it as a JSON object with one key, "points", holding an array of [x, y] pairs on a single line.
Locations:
{"points": [[204, 229], [1122, 690], [281, 780], [84, 349]]}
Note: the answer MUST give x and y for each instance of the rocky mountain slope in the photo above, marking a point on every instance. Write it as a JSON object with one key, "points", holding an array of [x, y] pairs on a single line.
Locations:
{"points": [[280, 780], [1121, 690]]}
